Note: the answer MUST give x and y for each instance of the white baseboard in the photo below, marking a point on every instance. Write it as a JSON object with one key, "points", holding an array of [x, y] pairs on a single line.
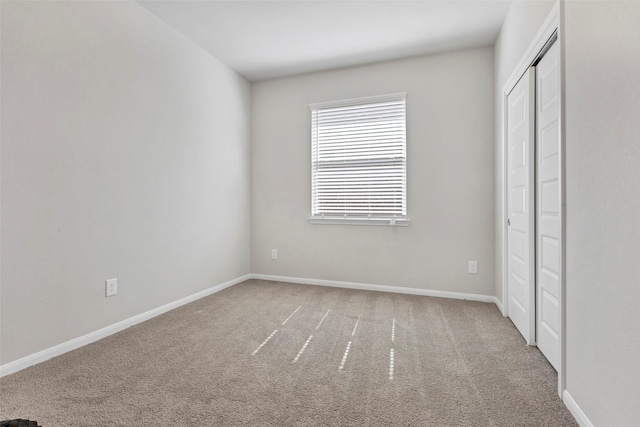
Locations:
{"points": [[575, 410], [75, 343], [381, 288]]}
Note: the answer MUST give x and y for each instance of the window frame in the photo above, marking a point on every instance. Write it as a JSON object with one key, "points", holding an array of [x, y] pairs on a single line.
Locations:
{"points": [[388, 220]]}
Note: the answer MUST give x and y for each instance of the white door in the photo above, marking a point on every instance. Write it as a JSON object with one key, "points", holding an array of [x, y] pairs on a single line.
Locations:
{"points": [[520, 181], [548, 205]]}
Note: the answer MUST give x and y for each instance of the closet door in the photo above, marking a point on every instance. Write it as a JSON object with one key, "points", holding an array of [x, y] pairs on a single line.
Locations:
{"points": [[521, 219], [548, 205]]}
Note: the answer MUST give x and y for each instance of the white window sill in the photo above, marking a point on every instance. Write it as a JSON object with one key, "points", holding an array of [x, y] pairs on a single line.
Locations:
{"points": [[393, 222]]}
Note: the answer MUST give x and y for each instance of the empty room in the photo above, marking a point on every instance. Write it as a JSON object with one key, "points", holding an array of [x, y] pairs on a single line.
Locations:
{"points": [[308, 213]]}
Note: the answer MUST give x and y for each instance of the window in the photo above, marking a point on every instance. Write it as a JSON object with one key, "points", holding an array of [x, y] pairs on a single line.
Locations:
{"points": [[359, 161]]}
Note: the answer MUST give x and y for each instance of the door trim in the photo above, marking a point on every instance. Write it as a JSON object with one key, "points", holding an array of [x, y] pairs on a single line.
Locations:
{"points": [[548, 29]]}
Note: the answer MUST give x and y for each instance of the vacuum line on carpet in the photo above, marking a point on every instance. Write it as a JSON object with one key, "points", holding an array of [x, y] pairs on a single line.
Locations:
{"points": [[344, 356], [302, 349], [263, 343], [391, 365], [322, 320], [291, 315], [393, 330], [355, 326]]}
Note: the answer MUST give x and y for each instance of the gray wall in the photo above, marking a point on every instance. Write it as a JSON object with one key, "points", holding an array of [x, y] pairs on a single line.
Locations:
{"points": [[603, 209], [125, 153], [520, 26], [450, 177]]}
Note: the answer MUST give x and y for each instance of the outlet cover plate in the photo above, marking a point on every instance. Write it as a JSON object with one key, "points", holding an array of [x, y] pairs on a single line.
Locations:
{"points": [[110, 287], [473, 267]]}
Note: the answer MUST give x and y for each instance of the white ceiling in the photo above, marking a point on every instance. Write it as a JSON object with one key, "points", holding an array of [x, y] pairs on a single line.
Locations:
{"points": [[267, 39]]}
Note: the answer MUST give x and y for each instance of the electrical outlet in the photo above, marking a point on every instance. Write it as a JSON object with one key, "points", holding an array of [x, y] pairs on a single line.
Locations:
{"points": [[473, 267], [274, 254], [110, 287]]}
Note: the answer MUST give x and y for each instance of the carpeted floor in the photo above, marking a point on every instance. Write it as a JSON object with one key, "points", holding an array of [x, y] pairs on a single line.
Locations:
{"points": [[339, 357]]}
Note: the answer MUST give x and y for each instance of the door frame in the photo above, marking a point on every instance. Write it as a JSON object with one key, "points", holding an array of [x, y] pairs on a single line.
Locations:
{"points": [[550, 26]]}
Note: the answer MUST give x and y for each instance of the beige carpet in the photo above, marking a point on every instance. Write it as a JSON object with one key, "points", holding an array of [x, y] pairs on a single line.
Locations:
{"points": [[441, 362]]}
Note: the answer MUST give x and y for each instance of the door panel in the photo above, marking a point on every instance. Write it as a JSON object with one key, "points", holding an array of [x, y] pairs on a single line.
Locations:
{"points": [[548, 205], [520, 180]]}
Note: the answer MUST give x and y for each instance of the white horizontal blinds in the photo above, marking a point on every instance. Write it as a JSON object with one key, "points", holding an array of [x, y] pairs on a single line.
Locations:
{"points": [[359, 158]]}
